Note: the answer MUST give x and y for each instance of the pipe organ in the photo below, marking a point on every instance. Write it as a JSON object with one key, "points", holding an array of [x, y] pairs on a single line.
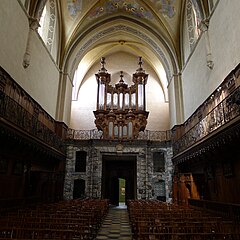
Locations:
{"points": [[121, 112]]}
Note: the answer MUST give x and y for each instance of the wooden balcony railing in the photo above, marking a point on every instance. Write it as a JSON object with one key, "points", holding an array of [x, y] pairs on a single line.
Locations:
{"points": [[226, 111], [95, 134], [13, 113], [220, 109], [20, 111]]}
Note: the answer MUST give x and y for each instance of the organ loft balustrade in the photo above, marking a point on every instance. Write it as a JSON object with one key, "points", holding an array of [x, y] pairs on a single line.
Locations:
{"points": [[121, 109]]}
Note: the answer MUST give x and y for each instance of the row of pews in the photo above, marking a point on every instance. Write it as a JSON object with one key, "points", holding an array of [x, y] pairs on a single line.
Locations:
{"points": [[71, 219], [153, 220]]}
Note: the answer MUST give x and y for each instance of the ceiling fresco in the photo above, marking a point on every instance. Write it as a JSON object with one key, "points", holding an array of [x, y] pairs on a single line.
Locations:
{"points": [[93, 28], [166, 12], [112, 6], [90, 29], [166, 7], [74, 7]]}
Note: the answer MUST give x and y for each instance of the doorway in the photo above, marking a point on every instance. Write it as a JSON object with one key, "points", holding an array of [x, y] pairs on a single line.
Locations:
{"points": [[118, 176], [122, 190]]}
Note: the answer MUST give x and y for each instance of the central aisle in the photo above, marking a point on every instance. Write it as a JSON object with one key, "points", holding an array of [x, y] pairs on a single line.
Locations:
{"points": [[116, 225]]}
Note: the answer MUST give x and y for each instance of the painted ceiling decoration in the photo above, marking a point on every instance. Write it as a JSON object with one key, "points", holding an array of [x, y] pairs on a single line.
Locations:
{"points": [[167, 8], [131, 7], [74, 7], [139, 27]]}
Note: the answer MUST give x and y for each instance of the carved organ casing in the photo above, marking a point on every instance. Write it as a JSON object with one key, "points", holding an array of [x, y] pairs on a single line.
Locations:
{"points": [[121, 113]]}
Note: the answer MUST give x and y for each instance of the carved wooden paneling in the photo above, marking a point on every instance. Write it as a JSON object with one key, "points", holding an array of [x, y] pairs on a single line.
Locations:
{"points": [[19, 109], [222, 107]]}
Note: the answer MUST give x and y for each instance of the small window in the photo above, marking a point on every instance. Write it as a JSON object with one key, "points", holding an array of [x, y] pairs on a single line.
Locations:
{"points": [[80, 165], [158, 162], [193, 19]]}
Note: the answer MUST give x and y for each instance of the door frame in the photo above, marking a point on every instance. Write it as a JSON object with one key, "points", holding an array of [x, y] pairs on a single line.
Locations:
{"points": [[123, 170]]}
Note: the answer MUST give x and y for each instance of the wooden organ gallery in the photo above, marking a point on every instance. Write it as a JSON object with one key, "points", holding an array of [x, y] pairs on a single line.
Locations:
{"points": [[121, 110]]}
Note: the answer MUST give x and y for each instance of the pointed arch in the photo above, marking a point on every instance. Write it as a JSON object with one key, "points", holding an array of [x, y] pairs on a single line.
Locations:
{"points": [[193, 14]]}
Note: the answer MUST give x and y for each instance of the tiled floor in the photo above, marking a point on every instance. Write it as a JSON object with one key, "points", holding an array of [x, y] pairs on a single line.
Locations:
{"points": [[116, 225]]}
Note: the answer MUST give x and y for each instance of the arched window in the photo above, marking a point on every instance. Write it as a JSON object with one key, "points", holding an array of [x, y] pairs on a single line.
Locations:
{"points": [[42, 23], [47, 23], [193, 17], [191, 27]]}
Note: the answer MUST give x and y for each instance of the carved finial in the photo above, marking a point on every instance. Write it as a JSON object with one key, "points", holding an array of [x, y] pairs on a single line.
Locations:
{"points": [[102, 62], [121, 77], [140, 62], [103, 69], [121, 83], [140, 69]]}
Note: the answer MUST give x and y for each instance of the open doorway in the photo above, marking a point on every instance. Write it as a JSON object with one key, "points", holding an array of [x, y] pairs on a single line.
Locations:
{"points": [[122, 190], [119, 175]]}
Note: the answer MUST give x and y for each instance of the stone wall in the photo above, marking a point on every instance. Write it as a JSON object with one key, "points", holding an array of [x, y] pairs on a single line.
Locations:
{"points": [[147, 180]]}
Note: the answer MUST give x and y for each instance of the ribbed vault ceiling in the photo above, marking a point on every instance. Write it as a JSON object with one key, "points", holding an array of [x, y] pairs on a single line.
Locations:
{"points": [[91, 29]]}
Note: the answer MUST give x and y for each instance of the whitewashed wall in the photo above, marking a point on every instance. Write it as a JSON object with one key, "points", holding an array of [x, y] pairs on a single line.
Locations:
{"points": [[224, 32], [41, 78]]}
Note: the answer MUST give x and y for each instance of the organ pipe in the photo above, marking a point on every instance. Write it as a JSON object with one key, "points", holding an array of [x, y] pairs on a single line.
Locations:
{"points": [[120, 112]]}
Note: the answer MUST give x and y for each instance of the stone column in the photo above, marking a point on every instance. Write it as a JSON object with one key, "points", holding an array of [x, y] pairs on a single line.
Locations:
{"points": [[64, 79], [177, 80]]}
